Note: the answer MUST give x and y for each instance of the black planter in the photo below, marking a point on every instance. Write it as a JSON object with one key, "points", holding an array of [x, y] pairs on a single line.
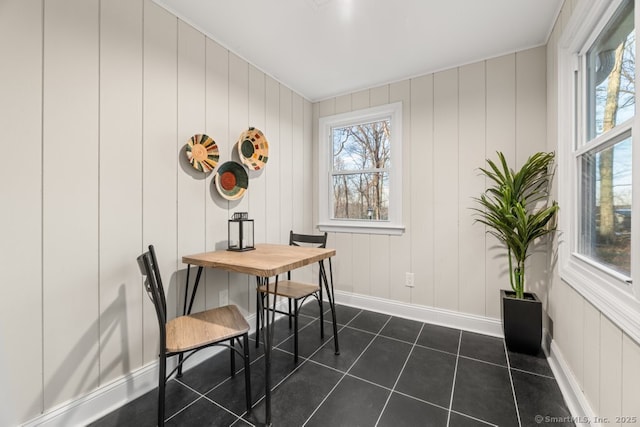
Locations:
{"points": [[521, 322]]}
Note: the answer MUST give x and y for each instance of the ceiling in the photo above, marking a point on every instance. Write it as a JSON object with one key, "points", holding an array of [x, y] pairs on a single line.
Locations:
{"points": [[324, 48]]}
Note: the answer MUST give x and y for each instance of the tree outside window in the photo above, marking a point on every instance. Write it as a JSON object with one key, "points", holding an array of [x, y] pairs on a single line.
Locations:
{"points": [[606, 165], [361, 158], [360, 169]]}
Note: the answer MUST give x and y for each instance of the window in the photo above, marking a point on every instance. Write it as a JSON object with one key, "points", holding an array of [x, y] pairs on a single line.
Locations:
{"points": [[605, 220], [361, 171], [605, 154], [599, 256]]}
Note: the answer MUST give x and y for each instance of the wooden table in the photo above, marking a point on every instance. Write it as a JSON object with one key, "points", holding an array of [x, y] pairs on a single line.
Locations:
{"points": [[266, 261]]}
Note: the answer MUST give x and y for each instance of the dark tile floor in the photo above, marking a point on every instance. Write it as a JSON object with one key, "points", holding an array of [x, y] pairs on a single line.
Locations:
{"points": [[390, 372]]}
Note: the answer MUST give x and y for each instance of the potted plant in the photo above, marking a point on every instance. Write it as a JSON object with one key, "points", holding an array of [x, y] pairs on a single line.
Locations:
{"points": [[515, 208]]}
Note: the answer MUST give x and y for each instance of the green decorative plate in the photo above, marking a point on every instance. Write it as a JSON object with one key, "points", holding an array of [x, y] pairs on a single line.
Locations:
{"points": [[202, 152], [253, 149], [231, 180]]}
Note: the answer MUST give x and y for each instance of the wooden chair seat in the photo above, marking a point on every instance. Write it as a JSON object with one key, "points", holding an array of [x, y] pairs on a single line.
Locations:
{"points": [[291, 289], [207, 327]]}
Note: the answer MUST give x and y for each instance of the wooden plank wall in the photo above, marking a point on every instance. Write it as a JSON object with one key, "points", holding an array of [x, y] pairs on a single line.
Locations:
{"points": [[453, 121], [21, 174], [70, 168], [120, 186], [604, 361], [95, 110]]}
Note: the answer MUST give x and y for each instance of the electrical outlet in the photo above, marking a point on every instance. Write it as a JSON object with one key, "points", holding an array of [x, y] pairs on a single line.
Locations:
{"points": [[408, 280], [223, 297]]}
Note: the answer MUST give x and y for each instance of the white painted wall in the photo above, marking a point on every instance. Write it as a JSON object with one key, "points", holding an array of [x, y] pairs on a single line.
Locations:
{"points": [[453, 121], [21, 202], [97, 100], [602, 359]]}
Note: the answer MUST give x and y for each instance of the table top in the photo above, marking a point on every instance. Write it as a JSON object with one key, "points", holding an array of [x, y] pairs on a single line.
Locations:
{"points": [[267, 260]]}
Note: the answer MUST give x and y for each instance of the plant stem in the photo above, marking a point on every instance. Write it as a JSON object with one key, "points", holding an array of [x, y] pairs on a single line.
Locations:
{"points": [[512, 273], [519, 272]]}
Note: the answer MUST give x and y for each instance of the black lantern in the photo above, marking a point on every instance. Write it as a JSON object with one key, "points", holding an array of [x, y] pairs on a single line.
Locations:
{"points": [[240, 232]]}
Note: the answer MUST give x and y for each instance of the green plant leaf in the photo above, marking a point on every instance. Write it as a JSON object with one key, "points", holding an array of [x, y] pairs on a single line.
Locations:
{"points": [[515, 208]]}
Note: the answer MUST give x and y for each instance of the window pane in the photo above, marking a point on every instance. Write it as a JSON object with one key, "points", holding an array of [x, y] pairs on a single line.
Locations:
{"points": [[610, 73], [363, 146], [606, 201], [361, 196]]}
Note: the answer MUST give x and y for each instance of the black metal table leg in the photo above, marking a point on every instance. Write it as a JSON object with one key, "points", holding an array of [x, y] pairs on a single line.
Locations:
{"points": [[195, 289], [186, 291], [267, 334], [332, 303], [266, 339]]}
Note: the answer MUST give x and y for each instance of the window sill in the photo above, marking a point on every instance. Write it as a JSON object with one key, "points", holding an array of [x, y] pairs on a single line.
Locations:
{"points": [[362, 227]]}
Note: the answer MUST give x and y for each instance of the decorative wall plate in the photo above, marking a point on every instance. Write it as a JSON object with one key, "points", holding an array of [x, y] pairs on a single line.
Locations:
{"points": [[231, 180], [202, 152], [253, 149]]}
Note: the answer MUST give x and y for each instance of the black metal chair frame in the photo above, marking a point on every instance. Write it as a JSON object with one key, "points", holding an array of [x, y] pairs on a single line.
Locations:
{"points": [[153, 284], [320, 241]]}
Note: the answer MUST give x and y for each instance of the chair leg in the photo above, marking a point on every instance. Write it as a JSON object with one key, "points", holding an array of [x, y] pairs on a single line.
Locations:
{"points": [[321, 312], [258, 314], [289, 313], [161, 388], [295, 330], [247, 371], [232, 354]]}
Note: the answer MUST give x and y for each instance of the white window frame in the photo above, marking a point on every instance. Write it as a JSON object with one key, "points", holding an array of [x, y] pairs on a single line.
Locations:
{"points": [[392, 226], [606, 289]]}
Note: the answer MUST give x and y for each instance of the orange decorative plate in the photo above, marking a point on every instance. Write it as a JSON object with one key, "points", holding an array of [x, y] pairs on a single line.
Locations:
{"points": [[253, 149], [231, 180], [202, 152]]}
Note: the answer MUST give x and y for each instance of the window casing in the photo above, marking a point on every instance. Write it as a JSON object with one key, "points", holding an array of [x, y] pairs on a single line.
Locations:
{"points": [[360, 170], [599, 186]]}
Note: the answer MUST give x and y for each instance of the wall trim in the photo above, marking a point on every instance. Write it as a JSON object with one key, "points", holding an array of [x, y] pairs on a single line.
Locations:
{"points": [[570, 388], [109, 397], [100, 401], [438, 316], [575, 399]]}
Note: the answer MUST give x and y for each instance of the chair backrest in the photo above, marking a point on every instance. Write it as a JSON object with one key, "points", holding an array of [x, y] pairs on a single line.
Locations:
{"points": [[148, 264], [318, 240]]}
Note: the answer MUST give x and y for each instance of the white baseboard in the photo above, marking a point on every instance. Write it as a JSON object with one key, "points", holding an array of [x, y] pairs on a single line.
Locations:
{"points": [[101, 401], [574, 397], [570, 388], [438, 316], [107, 398], [123, 390]]}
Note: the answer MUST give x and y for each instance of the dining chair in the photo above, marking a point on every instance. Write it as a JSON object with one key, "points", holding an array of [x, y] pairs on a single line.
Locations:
{"points": [[185, 335], [295, 292]]}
